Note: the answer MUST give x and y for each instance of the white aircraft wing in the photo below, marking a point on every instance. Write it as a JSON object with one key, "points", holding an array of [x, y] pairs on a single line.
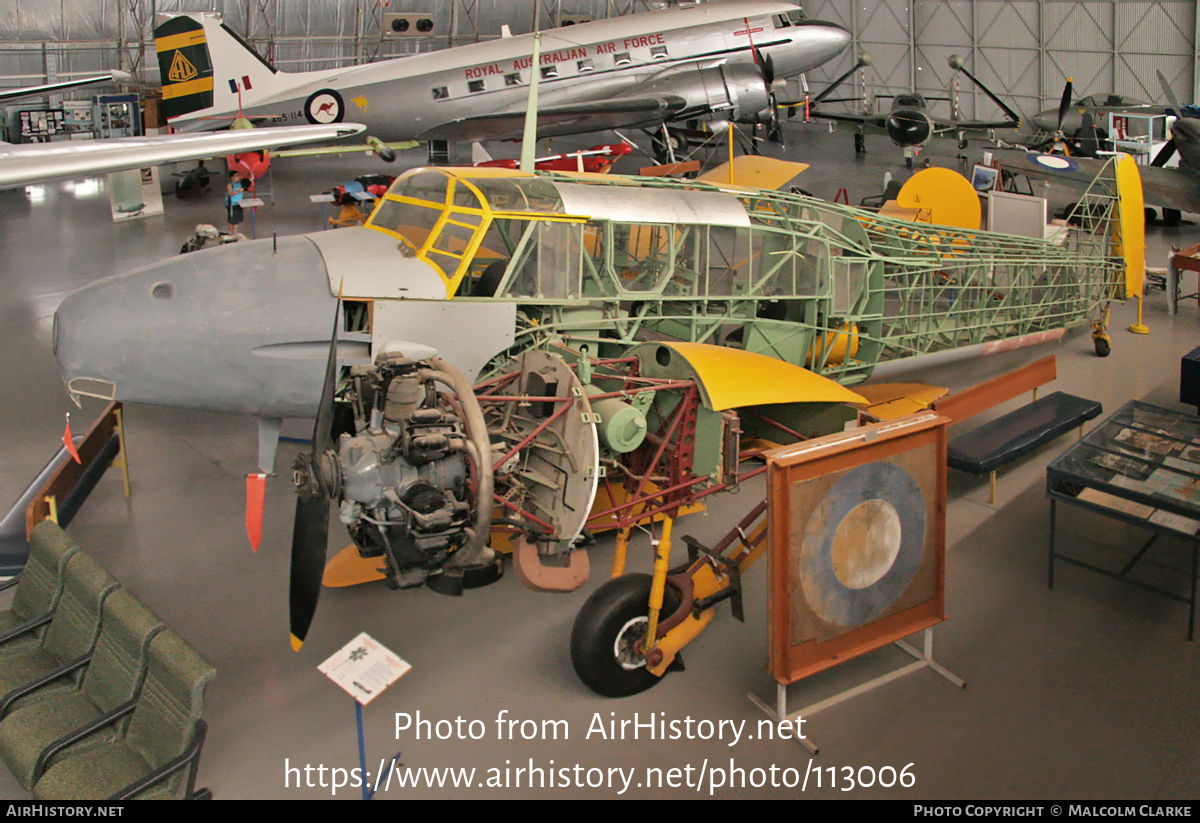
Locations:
{"points": [[50, 88], [554, 121], [27, 163]]}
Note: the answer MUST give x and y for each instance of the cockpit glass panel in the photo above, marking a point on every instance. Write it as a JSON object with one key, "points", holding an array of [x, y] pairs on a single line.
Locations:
{"points": [[910, 101], [550, 265], [411, 221], [464, 197], [430, 185], [797, 16], [519, 194]]}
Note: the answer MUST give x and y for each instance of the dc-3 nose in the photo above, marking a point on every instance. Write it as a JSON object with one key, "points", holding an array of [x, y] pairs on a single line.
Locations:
{"points": [[243, 328], [816, 42]]}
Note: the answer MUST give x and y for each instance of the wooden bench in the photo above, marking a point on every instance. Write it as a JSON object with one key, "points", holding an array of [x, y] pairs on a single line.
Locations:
{"points": [[1019, 432]]}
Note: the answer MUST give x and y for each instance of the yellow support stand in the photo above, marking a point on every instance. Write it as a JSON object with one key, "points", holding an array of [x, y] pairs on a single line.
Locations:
{"points": [[1139, 327]]}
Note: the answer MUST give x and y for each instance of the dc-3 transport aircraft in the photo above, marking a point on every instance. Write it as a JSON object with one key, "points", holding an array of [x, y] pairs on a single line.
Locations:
{"points": [[720, 60], [543, 354]]}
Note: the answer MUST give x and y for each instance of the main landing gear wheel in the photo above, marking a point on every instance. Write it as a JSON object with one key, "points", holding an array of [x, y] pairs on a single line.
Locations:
{"points": [[860, 143], [604, 641], [1103, 347], [1151, 215], [1171, 217]]}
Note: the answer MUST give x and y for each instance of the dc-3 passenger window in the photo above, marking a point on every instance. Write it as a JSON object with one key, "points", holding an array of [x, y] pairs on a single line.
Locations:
{"points": [[513, 79], [475, 86], [441, 93], [585, 65], [549, 71], [658, 52], [622, 58]]}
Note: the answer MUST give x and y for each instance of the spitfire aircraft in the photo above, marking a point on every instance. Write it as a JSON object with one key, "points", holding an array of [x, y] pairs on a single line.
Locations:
{"points": [[622, 335], [1174, 190], [909, 123], [717, 60]]}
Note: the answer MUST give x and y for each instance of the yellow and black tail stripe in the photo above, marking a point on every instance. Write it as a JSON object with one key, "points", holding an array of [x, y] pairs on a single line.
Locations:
{"points": [[185, 66]]}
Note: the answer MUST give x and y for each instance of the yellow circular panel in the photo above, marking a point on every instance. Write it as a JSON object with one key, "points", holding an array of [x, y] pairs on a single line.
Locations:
{"points": [[950, 197]]}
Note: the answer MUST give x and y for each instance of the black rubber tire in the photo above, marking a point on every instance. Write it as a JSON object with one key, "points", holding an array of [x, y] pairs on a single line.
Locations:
{"points": [[597, 627], [1171, 217], [1151, 215], [860, 144], [1103, 349]]}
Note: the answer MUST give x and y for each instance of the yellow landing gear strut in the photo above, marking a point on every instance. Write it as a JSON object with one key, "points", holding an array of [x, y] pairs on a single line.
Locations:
{"points": [[631, 630]]}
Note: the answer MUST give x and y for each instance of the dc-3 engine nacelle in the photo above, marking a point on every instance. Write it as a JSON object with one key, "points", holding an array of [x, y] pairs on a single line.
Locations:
{"points": [[737, 92]]}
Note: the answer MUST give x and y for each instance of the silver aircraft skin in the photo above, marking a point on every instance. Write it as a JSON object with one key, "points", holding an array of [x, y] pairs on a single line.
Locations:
{"points": [[718, 60]]}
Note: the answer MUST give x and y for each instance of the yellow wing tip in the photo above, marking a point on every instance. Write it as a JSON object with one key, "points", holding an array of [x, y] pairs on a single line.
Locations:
{"points": [[296, 643]]}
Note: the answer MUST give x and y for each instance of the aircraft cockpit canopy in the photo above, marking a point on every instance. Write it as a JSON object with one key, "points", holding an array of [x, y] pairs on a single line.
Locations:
{"points": [[1109, 101], [908, 101]]}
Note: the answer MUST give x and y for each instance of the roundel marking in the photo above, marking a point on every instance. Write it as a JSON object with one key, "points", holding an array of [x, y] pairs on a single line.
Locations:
{"points": [[1054, 161], [863, 544], [324, 107]]}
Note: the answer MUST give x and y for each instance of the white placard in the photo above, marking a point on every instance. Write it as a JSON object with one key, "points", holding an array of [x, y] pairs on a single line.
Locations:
{"points": [[251, 202], [321, 198], [364, 668]]}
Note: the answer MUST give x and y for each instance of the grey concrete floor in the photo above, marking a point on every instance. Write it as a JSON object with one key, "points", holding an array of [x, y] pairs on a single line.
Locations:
{"points": [[1089, 691]]}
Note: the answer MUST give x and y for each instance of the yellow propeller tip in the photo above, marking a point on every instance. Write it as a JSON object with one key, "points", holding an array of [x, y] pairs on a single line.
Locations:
{"points": [[296, 643]]}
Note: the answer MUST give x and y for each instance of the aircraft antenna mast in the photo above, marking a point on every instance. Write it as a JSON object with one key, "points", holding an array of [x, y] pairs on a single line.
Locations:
{"points": [[529, 138]]}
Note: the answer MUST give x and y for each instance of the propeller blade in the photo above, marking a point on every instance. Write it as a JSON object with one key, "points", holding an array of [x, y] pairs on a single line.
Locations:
{"points": [[1170, 95], [768, 70], [1064, 104], [323, 429], [310, 530], [1164, 154], [1089, 140], [310, 536]]}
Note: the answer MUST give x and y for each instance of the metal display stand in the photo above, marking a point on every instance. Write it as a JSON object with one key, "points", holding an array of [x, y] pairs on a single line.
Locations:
{"points": [[924, 659]]}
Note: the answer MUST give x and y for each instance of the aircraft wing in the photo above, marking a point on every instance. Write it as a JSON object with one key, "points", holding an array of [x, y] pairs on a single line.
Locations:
{"points": [[50, 88], [555, 121], [969, 125], [1165, 188], [28, 163], [877, 120]]}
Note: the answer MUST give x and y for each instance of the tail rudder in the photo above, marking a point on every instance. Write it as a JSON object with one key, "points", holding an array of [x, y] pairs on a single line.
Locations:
{"points": [[207, 69]]}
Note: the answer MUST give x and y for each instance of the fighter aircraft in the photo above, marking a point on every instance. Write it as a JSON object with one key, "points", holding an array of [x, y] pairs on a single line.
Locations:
{"points": [[909, 123], [1174, 190], [719, 60]]}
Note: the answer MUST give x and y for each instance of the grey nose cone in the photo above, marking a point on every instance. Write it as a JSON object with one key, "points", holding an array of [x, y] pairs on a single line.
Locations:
{"points": [[191, 331], [822, 41]]}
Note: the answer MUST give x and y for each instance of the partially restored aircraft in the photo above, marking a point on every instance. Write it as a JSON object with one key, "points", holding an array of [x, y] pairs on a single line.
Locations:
{"points": [[622, 335], [718, 60]]}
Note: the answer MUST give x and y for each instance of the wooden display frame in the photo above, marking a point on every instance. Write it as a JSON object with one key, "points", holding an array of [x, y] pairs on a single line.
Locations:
{"points": [[824, 456]]}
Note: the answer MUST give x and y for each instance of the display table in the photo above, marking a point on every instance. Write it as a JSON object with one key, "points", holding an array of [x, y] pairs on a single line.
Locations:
{"points": [[1140, 466]]}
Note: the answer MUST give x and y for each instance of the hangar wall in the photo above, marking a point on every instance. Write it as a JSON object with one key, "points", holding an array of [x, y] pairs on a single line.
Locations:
{"points": [[1024, 49]]}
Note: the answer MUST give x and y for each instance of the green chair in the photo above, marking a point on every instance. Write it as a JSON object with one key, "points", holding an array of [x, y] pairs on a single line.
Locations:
{"points": [[110, 684], [37, 588], [50, 666], [156, 756]]}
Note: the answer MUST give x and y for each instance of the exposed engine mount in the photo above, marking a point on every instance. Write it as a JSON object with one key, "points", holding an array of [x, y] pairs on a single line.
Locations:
{"points": [[407, 480]]}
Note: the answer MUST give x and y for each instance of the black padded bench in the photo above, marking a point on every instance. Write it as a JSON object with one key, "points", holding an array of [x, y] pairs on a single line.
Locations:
{"points": [[1019, 432]]}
